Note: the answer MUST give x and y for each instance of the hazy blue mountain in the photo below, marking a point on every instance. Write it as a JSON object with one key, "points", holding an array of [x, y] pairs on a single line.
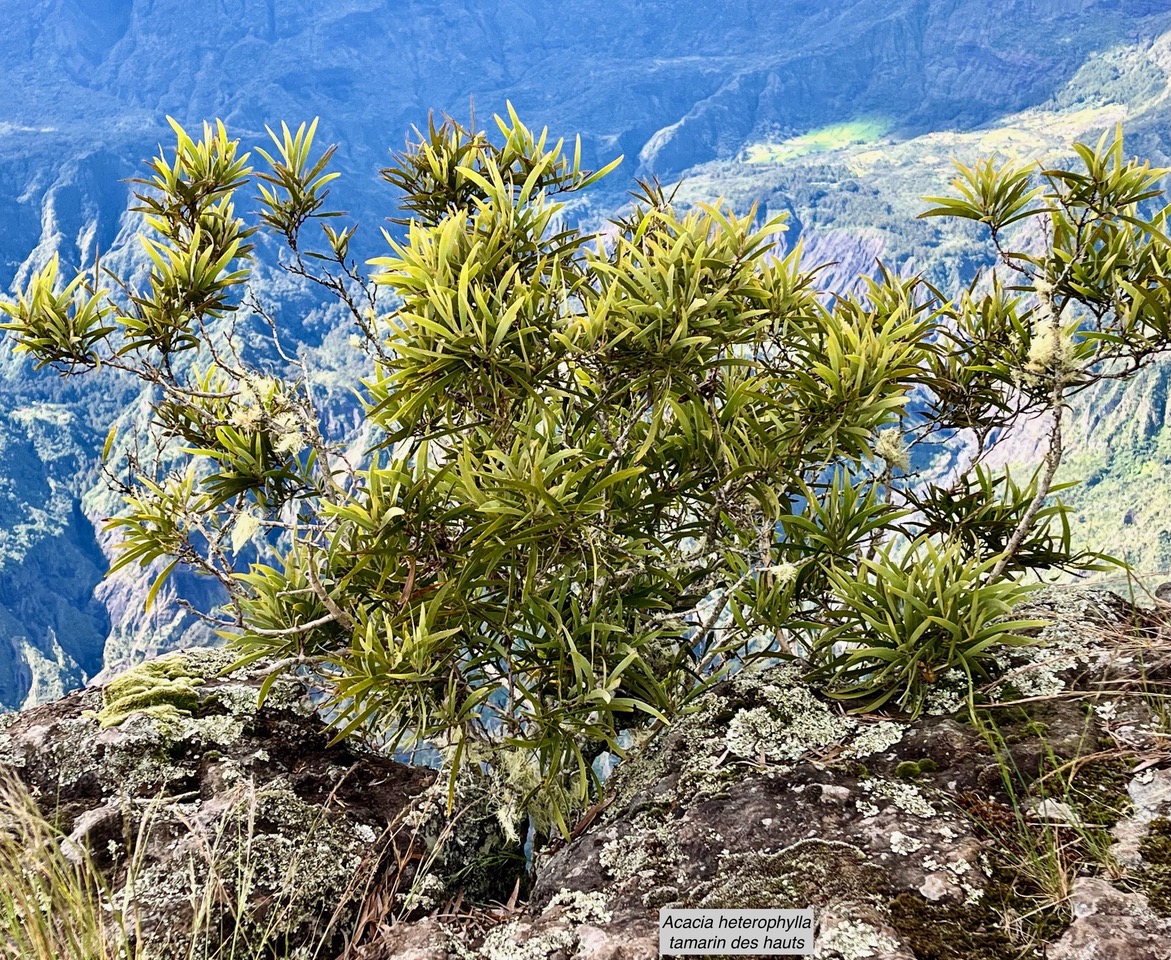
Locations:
{"points": [[87, 82], [723, 90]]}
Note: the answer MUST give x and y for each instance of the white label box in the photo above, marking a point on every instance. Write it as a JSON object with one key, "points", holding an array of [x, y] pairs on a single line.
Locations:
{"points": [[780, 933]]}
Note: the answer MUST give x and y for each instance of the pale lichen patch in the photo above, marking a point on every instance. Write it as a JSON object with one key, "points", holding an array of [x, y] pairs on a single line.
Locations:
{"points": [[902, 844], [905, 796], [579, 907], [504, 943], [770, 718], [854, 940], [10, 754], [874, 738], [649, 854], [790, 723], [948, 695], [1073, 639]]}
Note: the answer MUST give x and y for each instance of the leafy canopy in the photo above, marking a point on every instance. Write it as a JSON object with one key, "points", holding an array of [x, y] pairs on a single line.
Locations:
{"points": [[600, 471]]}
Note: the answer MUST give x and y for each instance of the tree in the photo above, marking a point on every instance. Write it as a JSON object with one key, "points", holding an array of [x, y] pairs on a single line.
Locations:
{"points": [[605, 470]]}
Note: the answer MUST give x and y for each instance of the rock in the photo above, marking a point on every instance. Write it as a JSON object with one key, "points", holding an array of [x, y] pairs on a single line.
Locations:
{"points": [[1054, 811], [1150, 794], [912, 840], [767, 797], [206, 780], [1110, 923], [855, 930], [902, 836], [426, 939]]}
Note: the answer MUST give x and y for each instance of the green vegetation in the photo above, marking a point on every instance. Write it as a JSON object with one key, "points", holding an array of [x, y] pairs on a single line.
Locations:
{"points": [[862, 202], [834, 137], [1068, 766], [910, 769], [1126, 74], [600, 473], [1053, 829], [161, 688]]}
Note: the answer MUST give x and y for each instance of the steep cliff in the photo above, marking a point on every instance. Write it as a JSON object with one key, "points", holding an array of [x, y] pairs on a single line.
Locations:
{"points": [[751, 100], [853, 193]]}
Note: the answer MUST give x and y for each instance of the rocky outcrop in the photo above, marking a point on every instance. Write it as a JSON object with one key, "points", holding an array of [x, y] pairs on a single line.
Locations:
{"points": [[1041, 827], [1038, 826], [218, 818]]}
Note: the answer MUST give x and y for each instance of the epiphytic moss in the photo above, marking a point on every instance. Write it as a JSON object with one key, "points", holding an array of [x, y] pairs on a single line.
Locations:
{"points": [[193, 682], [164, 712]]}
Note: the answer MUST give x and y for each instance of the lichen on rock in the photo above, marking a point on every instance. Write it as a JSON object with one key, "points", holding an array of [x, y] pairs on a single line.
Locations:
{"points": [[766, 795], [220, 797], [909, 838]]}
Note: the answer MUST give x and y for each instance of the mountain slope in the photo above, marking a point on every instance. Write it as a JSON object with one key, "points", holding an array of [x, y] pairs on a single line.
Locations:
{"points": [[849, 98], [853, 195]]}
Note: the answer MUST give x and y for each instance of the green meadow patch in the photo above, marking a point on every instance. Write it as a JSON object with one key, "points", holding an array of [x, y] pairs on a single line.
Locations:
{"points": [[834, 137]]}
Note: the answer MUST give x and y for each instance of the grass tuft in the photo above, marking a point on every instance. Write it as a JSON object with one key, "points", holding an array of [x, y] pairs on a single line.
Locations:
{"points": [[54, 903]]}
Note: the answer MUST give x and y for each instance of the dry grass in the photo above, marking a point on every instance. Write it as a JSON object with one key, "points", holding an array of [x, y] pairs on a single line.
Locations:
{"points": [[56, 904]]}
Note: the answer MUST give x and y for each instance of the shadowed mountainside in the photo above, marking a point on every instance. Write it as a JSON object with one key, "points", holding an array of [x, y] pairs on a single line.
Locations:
{"points": [[829, 114]]}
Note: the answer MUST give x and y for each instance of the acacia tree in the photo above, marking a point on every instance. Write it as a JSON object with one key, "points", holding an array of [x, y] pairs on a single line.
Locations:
{"points": [[605, 470]]}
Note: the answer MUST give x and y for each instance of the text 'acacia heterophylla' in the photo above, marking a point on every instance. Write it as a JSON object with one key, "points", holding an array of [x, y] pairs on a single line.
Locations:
{"points": [[598, 472]]}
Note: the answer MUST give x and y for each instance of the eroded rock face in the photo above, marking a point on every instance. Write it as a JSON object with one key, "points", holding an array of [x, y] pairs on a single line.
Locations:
{"points": [[199, 778], [1111, 923], [902, 836], [922, 840]]}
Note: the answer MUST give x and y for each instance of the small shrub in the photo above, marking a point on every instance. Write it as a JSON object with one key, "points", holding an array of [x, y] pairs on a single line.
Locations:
{"points": [[601, 471]]}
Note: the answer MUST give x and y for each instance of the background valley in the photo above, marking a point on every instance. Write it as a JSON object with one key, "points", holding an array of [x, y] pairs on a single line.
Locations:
{"points": [[843, 120]]}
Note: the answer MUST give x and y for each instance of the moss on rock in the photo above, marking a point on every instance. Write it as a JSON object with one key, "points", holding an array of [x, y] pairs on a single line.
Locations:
{"points": [[1098, 791], [164, 689], [1154, 875], [910, 769], [949, 931]]}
